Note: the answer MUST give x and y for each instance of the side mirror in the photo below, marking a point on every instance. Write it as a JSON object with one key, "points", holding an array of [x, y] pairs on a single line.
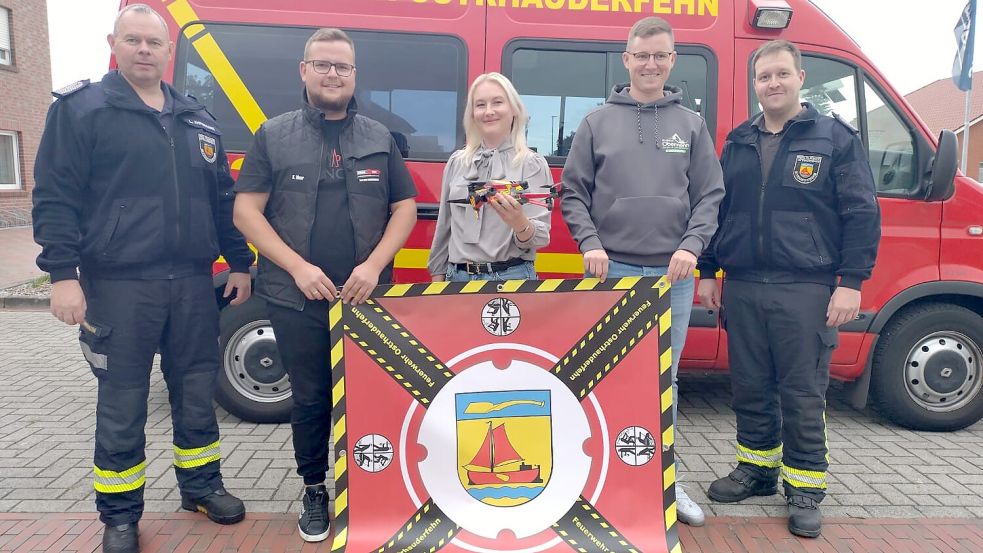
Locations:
{"points": [[940, 179]]}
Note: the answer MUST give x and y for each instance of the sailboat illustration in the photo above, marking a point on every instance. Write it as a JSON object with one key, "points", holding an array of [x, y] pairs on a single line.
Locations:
{"points": [[497, 462]]}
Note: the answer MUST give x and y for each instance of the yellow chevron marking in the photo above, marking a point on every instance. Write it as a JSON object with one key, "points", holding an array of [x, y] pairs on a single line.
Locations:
{"points": [[337, 353], [669, 476], [340, 467], [549, 285], [435, 288], [473, 286], [339, 428], [340, 539], [671, 515], [587, 284], [678, 548], [665, 321], [334, 315], [398, 290], [665, 360], [510, 285], [668, 437], [338, 392], [341, 502], [667, 400], [626, 283]]}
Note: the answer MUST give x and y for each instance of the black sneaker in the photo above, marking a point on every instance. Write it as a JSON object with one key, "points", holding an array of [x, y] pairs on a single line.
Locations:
{"points": [[741, 484], [804, 517], [124, 538], [314, 525], [220, 506]]}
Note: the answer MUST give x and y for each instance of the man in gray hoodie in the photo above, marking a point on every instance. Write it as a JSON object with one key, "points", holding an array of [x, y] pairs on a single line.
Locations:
{"points": [[642, 187]]}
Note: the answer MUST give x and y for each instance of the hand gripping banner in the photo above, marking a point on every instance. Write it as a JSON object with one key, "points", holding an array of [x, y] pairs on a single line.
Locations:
{"points": [[516, 416]]}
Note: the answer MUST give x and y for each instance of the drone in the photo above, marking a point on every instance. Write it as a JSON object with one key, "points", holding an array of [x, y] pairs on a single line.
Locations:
{"points": [[479, 193]]}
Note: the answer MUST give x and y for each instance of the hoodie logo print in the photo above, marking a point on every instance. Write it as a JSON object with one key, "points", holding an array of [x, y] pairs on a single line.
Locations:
{"points": [[806, 169], [675, 145]]}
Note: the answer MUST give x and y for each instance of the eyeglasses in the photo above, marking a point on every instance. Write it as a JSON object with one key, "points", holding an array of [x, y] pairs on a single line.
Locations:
{"points": [[324, 67], [643, 57]]}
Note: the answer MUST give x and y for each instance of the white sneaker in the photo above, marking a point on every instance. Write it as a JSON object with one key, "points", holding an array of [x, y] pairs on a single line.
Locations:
{"points": [[687, 511]]}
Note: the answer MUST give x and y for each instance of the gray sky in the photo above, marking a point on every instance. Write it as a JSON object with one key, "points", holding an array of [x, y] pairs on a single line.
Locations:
{"points": [[883, 28]]}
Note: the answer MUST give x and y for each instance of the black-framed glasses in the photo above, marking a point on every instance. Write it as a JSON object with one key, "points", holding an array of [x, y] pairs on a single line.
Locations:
{"points": [[324, 67], [643, 57]]}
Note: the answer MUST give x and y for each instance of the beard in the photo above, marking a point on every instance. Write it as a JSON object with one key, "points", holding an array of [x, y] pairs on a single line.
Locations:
{"points": [[339, 104]]}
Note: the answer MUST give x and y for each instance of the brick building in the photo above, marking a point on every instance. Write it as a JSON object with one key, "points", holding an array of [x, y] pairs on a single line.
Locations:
{"points": [[25, 94], [942, 106]]}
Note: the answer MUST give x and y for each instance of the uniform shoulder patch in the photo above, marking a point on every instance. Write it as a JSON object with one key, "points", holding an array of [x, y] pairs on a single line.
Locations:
{"points": [[71, 89], [844, 122]]}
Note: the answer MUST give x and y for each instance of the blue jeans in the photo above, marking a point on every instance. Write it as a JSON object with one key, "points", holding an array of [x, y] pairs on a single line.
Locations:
{"points": [[524, 271], [681, 303]]}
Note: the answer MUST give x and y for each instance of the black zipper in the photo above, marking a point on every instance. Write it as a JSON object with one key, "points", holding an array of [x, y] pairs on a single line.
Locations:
{"points": [[317, 185], [761, 204]]}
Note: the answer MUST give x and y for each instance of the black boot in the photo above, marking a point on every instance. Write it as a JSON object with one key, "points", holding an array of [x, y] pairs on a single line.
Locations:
{"points": [[804, 518], [741, 484], [124, 538], [220, 506]]}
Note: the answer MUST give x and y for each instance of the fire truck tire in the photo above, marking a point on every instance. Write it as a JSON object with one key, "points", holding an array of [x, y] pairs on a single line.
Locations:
{"points": [[252, 382], [928, 368]]}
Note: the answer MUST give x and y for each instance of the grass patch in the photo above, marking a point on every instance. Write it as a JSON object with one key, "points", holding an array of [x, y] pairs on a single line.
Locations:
{"points": [[40, 281]]}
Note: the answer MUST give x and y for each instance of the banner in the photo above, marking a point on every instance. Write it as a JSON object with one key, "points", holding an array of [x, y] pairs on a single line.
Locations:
{"points": [[965, 30], [516, 416]]}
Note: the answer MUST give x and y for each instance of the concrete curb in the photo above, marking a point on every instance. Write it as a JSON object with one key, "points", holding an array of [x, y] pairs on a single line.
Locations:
{"points": [[24, 302]]}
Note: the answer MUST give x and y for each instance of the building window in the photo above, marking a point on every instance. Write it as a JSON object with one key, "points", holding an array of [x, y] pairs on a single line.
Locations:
{"points": [[9, 161], [6, 49]]}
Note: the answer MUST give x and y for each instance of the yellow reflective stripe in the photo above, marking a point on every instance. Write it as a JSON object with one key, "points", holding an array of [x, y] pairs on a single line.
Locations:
{"points": [[196, 457], [108, 481], [799, 478], [221, 68], [771, 458], [570, 263]]}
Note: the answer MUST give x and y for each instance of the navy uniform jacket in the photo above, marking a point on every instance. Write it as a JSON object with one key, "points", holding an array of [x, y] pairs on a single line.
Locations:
{"points": [[815, 218], [116, 196]]}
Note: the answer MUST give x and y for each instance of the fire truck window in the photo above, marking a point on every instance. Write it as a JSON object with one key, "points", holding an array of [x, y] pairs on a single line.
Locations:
{"points": [[559, 87], [415, 84], [890, 146]]}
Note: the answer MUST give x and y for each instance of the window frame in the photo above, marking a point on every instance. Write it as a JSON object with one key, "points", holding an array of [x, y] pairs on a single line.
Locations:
{"points": [[18, 183], [860, 76], [709, 107], [7, 15], [180, 69]]}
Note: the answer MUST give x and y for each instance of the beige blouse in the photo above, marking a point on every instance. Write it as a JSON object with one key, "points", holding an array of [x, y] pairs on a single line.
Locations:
{"points": [[461, 237]]}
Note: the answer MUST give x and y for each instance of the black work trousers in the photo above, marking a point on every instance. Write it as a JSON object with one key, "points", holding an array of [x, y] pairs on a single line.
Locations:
{"points": [[305, 347], [780, 348], [127, 322]]}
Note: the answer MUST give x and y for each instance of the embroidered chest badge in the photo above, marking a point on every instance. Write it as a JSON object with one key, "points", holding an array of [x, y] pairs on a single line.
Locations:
{"points": [[206, 145], [675, 145], [806, 169]]}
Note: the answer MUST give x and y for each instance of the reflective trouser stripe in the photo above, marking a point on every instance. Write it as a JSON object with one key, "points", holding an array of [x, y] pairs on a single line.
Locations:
{"points": [[199, 456], [109, 481], [770, 458], [798, 478]]}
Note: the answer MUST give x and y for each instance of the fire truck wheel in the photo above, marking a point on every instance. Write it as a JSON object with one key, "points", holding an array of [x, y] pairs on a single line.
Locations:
{"points": [[927, 368], [252, 384]]}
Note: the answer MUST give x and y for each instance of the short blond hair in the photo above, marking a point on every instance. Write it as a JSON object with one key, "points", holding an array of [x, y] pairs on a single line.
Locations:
{"points": [[328, 34], [644, 28]]}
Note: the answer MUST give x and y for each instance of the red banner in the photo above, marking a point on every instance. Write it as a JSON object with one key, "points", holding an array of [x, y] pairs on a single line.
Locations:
{"points": [[517, 416]]}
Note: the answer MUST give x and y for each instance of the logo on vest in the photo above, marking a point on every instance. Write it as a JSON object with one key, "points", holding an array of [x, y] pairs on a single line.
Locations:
{"points": [[806, 169], [675, 145], [206, 145], [368, 175]]}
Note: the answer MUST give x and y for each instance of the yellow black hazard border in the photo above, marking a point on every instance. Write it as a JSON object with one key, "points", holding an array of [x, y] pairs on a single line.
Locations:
{"points": [[592, 357]]}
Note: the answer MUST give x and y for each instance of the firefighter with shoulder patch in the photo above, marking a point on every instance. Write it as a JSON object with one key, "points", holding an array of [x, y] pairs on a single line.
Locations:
{"points": [[799, 228], [132, 205]]}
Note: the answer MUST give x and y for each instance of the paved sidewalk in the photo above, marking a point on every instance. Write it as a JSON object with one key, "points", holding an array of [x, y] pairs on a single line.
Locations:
{"points": [[878, 471], [17, 254]]}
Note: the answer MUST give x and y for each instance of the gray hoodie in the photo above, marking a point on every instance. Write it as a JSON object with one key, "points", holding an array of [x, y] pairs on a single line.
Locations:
{"points": [[642, 180]]}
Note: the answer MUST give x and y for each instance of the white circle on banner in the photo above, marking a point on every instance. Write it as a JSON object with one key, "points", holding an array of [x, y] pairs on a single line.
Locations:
{"points": [[372, 453], [635, 446]]}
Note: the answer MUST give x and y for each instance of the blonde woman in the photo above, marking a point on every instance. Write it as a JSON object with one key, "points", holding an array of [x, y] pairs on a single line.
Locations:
{"points": [[499, 243]]}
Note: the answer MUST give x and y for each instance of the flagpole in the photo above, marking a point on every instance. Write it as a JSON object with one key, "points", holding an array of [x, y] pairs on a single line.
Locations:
{"points": [[966, 132]]}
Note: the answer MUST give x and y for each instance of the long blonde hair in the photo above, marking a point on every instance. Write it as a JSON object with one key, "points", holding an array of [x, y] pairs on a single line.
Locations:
{"points": [[518, 134]]}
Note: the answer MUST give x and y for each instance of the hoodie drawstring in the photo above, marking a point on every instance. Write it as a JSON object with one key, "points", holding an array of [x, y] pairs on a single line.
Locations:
{"points": [[655, 133]]}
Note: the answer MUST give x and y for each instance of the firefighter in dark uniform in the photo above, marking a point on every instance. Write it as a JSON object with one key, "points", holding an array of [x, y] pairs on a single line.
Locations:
{"points": [[133, 203], [799, 228]]}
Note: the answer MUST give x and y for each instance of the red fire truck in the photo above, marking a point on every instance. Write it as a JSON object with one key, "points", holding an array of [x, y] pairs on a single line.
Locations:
{"points": [[915, 348]]}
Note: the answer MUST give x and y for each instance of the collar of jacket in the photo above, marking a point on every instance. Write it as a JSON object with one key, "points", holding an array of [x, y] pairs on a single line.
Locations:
{"points": [[748, 134], [121, 95], [314, 116]]}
